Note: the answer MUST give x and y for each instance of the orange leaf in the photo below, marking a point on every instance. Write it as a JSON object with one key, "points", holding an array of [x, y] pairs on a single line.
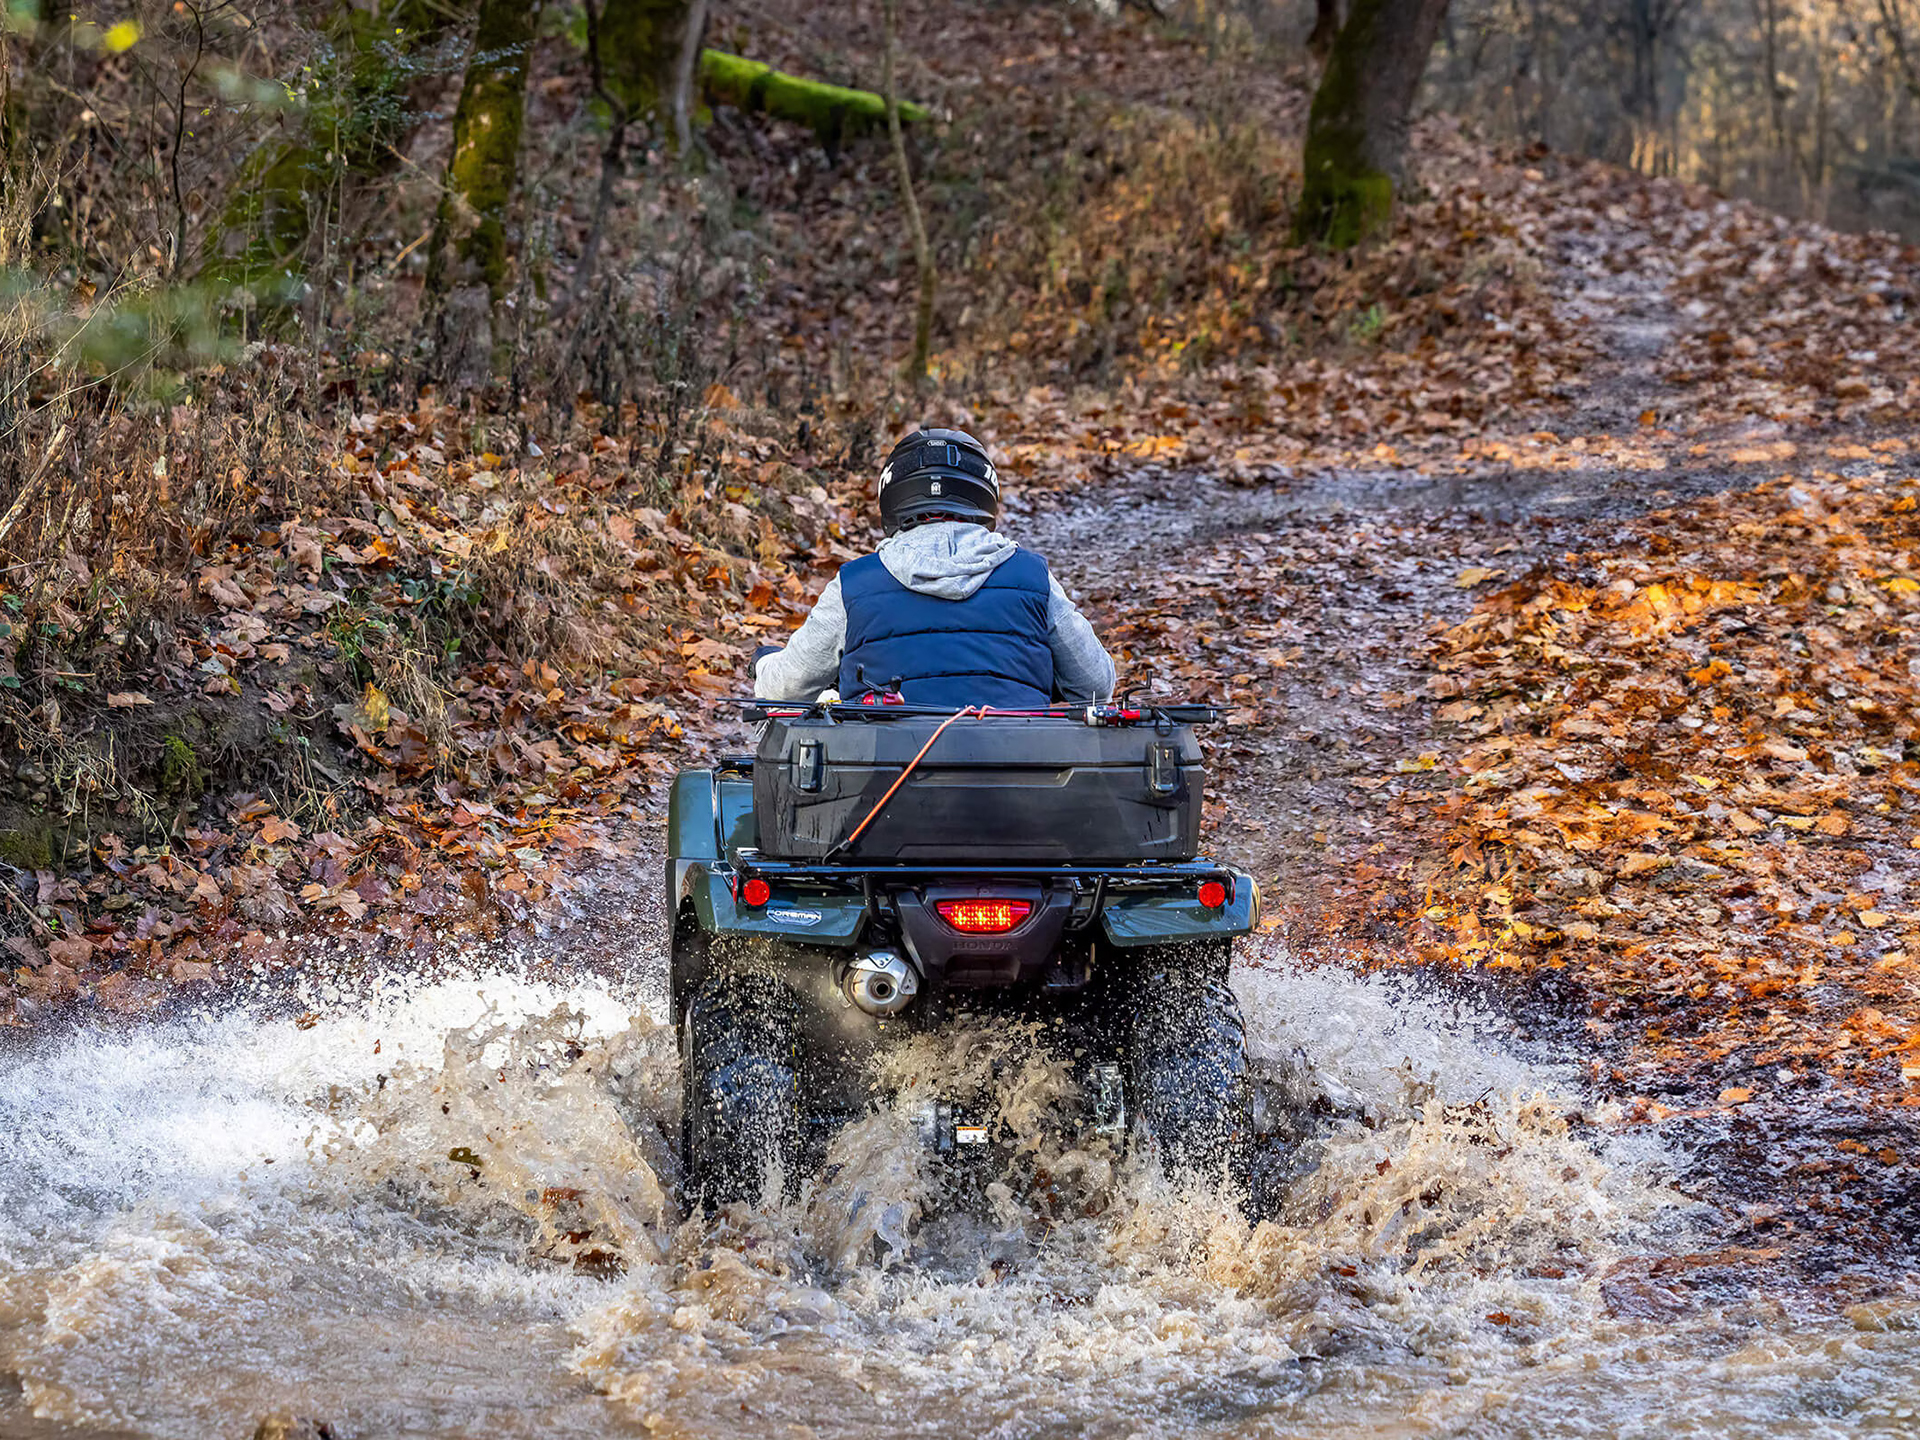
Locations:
{"points": [[273, 830]]}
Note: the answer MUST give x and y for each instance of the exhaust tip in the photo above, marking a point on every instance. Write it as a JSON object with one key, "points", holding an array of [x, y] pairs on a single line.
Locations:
{"points": [[881, 983]]}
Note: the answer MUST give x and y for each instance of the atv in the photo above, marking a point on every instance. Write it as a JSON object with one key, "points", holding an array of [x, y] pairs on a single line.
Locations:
{"points": [[874, 870]]}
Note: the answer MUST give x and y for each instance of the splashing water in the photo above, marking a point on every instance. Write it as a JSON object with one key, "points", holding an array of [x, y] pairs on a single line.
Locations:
{"points": [[452, 1208]]}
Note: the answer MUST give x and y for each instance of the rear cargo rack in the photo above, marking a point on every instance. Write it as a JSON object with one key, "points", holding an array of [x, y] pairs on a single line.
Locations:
{"points": [[1147, 715], [1149, 874]]}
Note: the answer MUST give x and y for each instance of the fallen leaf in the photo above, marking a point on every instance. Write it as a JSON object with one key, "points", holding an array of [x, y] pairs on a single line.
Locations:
{"points": [[274, 829]]}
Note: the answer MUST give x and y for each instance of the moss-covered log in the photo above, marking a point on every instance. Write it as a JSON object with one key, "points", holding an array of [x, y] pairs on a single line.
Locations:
{"points": [[1357, 131], [358, 110], [833, 112], [467, 265]]}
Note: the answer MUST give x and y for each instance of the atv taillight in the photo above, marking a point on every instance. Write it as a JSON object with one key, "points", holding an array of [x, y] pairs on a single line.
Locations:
{"points": [[1212, 894], [755, 891], [983, 917]]}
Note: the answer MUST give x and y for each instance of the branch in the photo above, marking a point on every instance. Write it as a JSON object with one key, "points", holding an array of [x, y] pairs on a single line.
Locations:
{"points": [[1897, 40]]}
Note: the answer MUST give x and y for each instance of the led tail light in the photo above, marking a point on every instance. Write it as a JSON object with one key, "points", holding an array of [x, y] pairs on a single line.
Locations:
{"points": [[983, 917], [755, 891], [1212, 894]]}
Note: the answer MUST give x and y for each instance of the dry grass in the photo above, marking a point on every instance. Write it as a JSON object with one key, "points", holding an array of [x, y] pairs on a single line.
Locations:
{"points": [[1141, 245]]}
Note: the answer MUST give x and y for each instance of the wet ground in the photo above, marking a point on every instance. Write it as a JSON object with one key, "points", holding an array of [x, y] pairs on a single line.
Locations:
{"points": [[449, 1206]]}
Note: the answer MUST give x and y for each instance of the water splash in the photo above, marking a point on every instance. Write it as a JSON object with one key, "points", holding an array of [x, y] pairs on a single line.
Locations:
{"points": [[452, 1208]]}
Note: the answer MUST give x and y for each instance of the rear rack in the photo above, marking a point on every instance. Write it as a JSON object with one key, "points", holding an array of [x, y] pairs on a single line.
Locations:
{"points": [[1103, 714], [1133, 875]]}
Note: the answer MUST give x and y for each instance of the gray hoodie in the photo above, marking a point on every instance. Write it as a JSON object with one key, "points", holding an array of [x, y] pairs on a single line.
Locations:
{"points": [[949, 559]]}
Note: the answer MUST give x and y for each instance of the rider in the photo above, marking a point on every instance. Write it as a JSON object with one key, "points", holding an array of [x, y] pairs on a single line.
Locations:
{"points": [[947, 611]]}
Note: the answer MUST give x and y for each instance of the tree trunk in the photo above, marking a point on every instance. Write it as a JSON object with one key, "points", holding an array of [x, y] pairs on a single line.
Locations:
{"points": [[467, 265], [683, 75], [640, 44], [352, 128], [637, 50], [1357, 131], [1326, 25], [922, 251]]}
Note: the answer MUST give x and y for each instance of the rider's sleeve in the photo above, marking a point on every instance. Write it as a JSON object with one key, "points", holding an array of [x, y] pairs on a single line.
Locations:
{"points": [[810, 665], [1082, 669]]}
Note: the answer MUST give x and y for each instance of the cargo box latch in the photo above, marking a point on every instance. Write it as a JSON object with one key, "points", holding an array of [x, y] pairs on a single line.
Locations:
{"points": [[1163, 767], [809, 766]]}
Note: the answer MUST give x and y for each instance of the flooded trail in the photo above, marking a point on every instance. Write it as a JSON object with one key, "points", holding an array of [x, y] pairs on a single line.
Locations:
{"points": [[450, 1210]]}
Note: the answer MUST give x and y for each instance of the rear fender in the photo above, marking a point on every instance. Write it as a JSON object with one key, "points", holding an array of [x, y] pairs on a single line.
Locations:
{"points": [[802, 919], [1169, 919], [709, 812]]}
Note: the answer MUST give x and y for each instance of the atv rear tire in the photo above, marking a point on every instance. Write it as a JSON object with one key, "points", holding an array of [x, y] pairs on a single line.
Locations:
{"points": [[741, 1107], [1187, 1080]]}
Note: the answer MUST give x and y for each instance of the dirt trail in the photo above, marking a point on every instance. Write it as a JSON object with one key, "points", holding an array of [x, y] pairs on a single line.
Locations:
{"points": [[1351, 568]]}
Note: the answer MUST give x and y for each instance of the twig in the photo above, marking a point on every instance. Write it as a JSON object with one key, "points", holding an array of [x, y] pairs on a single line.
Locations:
{"points": [[179, 133], [425, 235], [45, 930], [922, 251], [29, 491]]}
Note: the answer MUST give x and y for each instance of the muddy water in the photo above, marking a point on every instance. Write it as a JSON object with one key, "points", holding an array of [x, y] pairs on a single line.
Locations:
{"points": [[451, 1209]]}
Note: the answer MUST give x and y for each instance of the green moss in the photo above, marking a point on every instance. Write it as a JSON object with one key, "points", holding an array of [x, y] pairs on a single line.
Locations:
{"points": [[833, 112], [353, 113], [30, 849], [470, 241], [182, 776], [639, 50]]}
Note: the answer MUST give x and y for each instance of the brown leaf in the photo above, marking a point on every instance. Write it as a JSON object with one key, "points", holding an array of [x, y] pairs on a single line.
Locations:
{"points": [[274, 829], [71, 951]]}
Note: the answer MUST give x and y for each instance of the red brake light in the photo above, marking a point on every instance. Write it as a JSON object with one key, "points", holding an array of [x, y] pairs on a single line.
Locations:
{"points": [[983, 917], [1212, 894], [756, 892]]}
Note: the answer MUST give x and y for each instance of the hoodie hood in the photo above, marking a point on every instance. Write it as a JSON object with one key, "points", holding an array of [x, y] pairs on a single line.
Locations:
{"points": [[948, 559]]}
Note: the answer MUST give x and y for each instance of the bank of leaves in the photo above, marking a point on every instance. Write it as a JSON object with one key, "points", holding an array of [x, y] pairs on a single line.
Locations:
{"points": [[1684, 769], [474, 674]]}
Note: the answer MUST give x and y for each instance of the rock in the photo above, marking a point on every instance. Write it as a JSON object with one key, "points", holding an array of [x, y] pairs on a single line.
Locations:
{"points": [[282, 1425], [1688, 872], [1575, 880]]}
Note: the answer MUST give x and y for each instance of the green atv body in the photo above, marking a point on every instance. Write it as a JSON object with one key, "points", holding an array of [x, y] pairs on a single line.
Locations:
{"points": [[791, 973]]}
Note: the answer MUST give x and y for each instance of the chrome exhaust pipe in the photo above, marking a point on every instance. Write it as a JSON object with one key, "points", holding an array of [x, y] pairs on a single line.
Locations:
{"points": [[881, 983]]}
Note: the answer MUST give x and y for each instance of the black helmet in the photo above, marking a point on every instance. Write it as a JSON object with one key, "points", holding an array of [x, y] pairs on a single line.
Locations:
{"points": [[938, 472]]}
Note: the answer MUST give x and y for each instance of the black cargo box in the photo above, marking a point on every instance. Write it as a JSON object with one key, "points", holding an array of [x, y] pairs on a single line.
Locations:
{"points": [[1030, 789]]}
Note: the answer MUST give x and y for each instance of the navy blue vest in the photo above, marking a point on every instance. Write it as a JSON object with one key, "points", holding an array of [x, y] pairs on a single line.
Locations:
{"points": [[988, 649]]}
